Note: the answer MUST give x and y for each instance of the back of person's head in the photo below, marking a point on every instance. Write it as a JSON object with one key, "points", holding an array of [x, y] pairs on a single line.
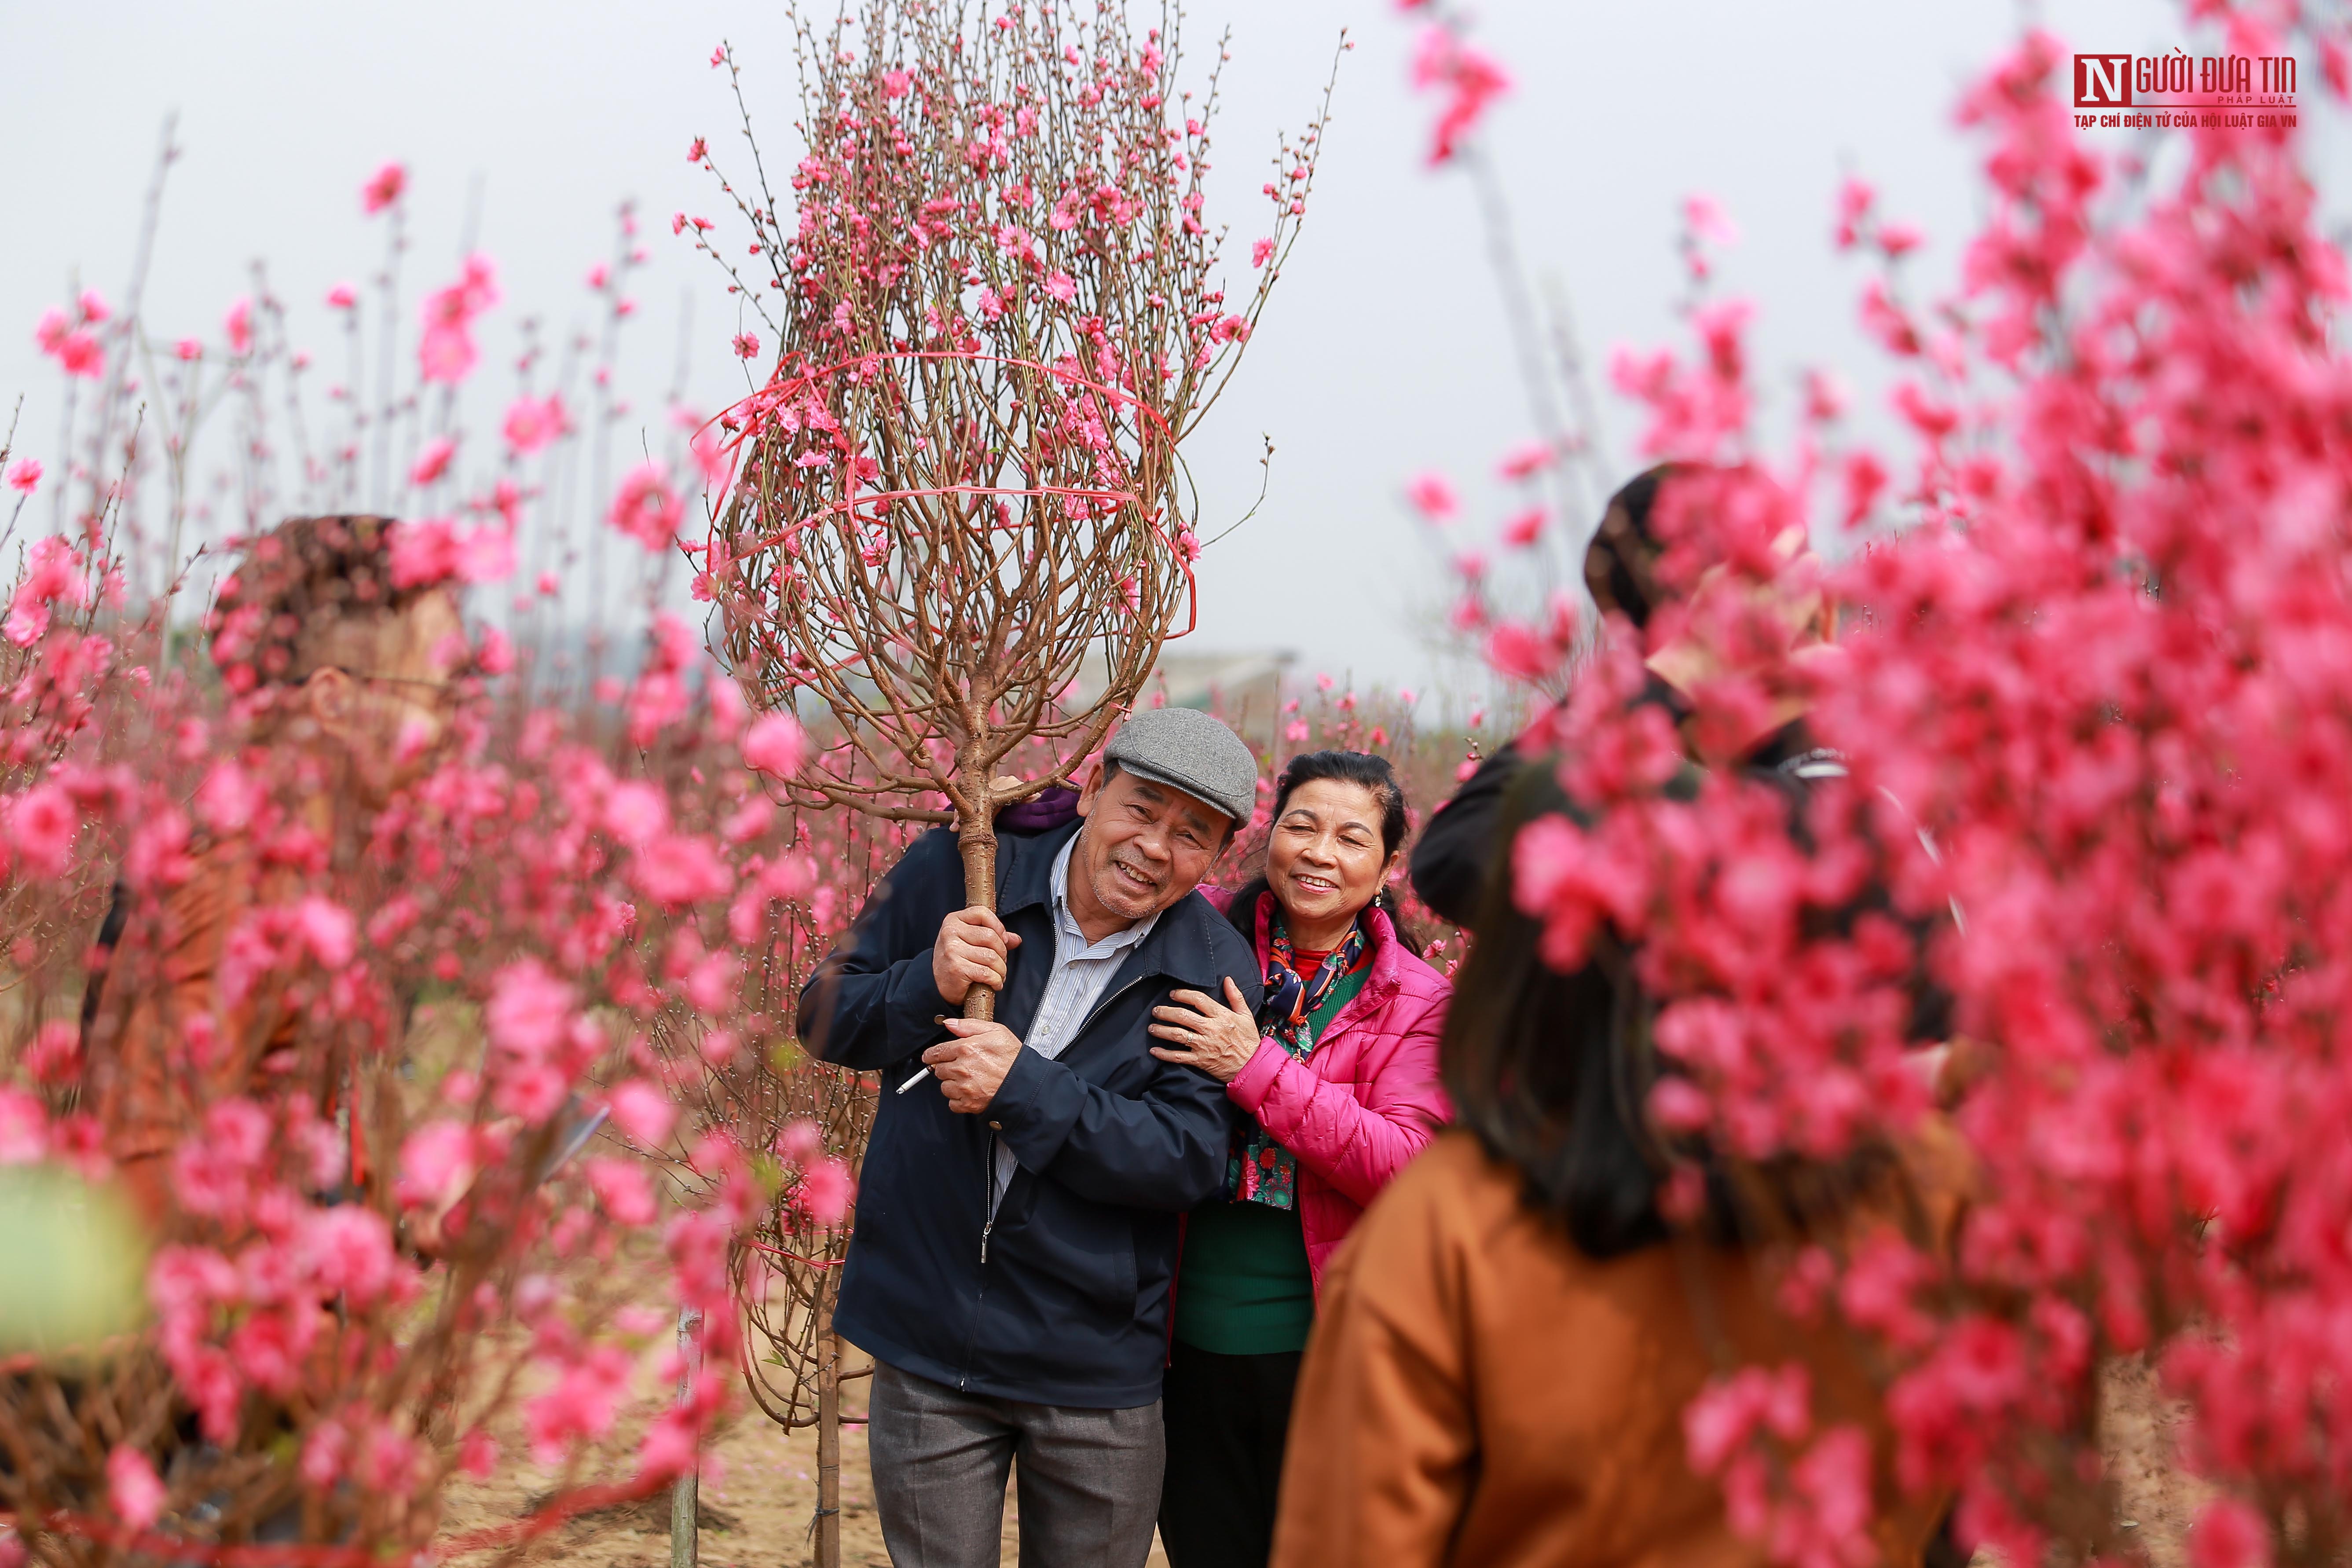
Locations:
{"points": [[312, 593], [1620, 563], [1623, 562], [1538, 1065], [1553, 1072], [1377, 775]]}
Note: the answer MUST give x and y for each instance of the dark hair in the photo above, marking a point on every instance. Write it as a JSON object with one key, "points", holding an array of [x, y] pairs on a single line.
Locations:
{"points": [[1363, 768], [1624, 548], [1553, 1073], [296, 580]]}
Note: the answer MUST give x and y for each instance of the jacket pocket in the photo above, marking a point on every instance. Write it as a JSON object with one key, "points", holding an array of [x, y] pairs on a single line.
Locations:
{"points": [[1084, 1252]]}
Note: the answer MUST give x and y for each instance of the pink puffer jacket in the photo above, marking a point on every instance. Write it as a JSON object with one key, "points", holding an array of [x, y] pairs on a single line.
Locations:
{"points": [[1366, 1100]]}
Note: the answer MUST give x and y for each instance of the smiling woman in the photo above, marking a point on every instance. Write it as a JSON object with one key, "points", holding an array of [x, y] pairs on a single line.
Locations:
{"points": [[1338, 1074]]}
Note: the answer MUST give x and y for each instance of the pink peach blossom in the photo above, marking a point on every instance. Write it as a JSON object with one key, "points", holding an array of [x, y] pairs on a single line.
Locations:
{"points": [[42, 824], [645, 509], [529, 1008], [382, 188], [1433, 496], [1470, 78], [643, 1112], [433, 461], [533, 422], [24, 1128], [623, 1188], [636, 813], [1526, 460], [826, 1187], [2229, 1534], [680, 870], [773, 745], [132, 1488], [436, 1161]]}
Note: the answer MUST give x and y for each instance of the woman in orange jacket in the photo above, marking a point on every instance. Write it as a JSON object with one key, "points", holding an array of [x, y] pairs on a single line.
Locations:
{"points": [[1507, 1343]]}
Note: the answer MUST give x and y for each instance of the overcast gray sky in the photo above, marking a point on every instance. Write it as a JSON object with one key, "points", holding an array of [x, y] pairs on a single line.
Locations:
{"points": [[1383, 352]]}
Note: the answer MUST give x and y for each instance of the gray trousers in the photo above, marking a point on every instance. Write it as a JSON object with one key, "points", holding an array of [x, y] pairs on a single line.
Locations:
{"points": [[1090, 1478]]}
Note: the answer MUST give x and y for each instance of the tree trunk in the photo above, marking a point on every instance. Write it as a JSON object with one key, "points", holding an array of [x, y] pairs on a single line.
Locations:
{"points": [[976, 837]]}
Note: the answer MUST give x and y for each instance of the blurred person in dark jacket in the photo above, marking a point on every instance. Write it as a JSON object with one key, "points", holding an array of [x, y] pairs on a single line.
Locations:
{"points": [[1449, 860], [1465, 842]]}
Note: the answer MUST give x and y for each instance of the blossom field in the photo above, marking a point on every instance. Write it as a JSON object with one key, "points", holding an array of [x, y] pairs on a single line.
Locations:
{"points": [[501, 1195]]}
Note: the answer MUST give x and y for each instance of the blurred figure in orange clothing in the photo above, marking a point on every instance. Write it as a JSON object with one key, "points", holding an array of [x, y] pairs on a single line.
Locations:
{"points": [[1507, 1346], [353, 678]]}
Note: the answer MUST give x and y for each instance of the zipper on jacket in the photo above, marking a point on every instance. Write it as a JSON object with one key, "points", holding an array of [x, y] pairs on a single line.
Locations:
{"points": [[986, 1230], [995, 1200], [971, 1339]]}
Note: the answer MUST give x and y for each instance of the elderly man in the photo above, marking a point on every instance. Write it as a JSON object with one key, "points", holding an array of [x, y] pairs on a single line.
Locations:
{"points": [[1017, 1215]]}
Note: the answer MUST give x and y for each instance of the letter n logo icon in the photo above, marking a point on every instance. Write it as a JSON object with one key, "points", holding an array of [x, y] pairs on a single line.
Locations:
{"points": [[2103, 82]]}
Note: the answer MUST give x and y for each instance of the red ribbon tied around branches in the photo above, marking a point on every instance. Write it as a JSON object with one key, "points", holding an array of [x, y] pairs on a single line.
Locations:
{"points": [[755, 412]]}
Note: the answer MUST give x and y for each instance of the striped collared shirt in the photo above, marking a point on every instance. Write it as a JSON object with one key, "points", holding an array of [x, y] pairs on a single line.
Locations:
{"points": [[1081, 971]]}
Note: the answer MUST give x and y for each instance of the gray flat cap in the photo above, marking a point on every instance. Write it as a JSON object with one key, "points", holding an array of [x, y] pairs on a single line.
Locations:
{"points": [[1187, 749]]}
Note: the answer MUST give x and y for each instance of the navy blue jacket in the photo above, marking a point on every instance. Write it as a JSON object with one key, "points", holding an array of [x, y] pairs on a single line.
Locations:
{"points": [[1062, 1298]]}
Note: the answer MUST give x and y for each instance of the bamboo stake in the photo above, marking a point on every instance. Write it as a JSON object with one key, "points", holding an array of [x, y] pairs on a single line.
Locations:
{"points": [[828, 1448], [686, 1492]]}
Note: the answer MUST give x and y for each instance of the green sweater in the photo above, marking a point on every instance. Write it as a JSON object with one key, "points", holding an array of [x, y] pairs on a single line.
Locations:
{"points": [[1244, 1288]]}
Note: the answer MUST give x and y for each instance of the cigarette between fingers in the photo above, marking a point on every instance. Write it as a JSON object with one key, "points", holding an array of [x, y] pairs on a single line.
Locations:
{"points": [[912, 1081]]}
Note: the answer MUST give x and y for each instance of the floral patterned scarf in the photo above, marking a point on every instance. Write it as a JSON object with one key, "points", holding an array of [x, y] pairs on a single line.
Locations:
{"points": [[1257, 1169]]}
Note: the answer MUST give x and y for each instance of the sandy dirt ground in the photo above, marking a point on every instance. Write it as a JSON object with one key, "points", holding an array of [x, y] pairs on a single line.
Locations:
{"points": [[2156, 1502], [756, 1508], [759, 1495]]}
